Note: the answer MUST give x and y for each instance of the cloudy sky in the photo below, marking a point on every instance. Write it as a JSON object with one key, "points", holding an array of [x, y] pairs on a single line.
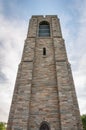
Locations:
{"points": [[14, 20]]}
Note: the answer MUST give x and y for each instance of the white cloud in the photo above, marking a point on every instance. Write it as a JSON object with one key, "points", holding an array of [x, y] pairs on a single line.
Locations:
{"points": [[76, 48], [78, 56], [12, 36], [80, 80]]}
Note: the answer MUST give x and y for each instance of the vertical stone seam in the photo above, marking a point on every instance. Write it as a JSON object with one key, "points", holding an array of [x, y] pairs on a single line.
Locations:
{"points": [[57, 86], [59, 27], [68, 66], [63, 41], [70, 93], [37, 30], [78, 119], [31, 85]]}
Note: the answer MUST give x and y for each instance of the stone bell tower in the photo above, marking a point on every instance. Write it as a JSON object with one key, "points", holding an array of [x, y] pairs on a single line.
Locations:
{"points": [[44, 96]]}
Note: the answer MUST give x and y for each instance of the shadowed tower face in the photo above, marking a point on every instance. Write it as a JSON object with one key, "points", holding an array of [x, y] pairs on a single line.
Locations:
{"points": [[44, 96]]}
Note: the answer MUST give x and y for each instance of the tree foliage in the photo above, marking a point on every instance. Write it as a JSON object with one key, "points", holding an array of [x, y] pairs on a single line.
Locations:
{"points": [[2, 126], [83, 117]]}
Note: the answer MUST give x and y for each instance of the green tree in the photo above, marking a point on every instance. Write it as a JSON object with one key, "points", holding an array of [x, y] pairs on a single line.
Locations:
{"points": [[83, 117], [2, 126]]}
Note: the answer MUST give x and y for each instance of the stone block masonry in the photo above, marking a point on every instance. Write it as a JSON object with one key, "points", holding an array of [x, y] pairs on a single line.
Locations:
{"points": [[44, 97]]}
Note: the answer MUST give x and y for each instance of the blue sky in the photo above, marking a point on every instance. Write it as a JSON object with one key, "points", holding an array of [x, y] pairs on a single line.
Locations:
{"points": [[14, 20]]}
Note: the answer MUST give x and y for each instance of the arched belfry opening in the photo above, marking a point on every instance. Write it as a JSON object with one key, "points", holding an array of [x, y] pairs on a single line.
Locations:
{"points": [[44, 29], [44, 126]]}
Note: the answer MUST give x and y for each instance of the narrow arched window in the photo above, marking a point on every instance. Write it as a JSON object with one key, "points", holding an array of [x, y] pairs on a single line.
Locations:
{"points": [[44, 51], [44, 126], [44, 29]]}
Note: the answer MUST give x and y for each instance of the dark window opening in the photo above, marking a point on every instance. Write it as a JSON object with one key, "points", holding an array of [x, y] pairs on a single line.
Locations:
{"points": [[44, 51], [44, 29]]}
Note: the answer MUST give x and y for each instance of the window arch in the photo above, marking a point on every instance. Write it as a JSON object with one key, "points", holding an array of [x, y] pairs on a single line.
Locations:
{"points": [[44, 126], [44, 29]]}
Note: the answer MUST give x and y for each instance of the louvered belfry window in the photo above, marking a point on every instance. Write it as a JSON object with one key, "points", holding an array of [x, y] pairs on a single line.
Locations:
{"points": [[44, 29]]}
